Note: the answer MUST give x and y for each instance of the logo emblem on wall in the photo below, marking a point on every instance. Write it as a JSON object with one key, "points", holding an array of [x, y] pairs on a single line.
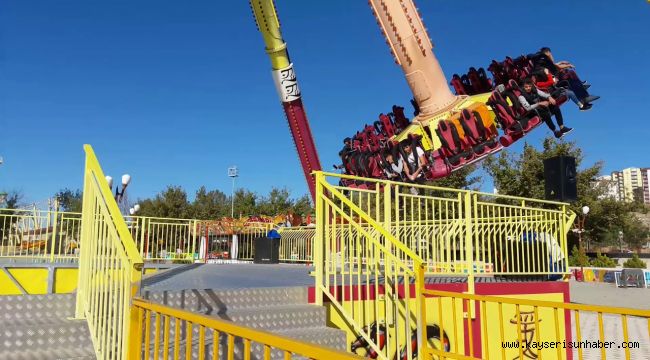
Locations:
{"points": [[528, 326]]}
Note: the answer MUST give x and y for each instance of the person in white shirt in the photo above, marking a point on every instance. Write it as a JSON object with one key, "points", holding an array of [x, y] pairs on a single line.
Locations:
{"points": [[415, 164], [396, 167]]}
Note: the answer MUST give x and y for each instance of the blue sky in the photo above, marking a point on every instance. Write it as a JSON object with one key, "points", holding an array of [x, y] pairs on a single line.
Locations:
{"points": [[175, 92]]}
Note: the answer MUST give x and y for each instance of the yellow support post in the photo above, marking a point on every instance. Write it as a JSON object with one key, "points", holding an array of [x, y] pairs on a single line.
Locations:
{"points": [[469, 239], [54, 228], [318, 239]]}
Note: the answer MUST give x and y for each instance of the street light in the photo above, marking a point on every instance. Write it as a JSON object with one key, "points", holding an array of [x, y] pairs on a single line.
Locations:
{"points": [[119, 195], [134, 209], [581, 224], [620, 241], [3, 195], [233, 173]]}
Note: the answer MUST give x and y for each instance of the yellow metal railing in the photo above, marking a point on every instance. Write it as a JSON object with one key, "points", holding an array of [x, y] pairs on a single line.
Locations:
{"points": [[39, 235], [170, 333], [296, 244], [461, 232], [163, 239], [109, 267], [358, 260], [513, 327], [377, 240]]}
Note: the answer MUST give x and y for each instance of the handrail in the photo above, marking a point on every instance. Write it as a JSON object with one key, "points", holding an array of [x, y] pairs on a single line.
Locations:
{"points": [[129, 246], [374, 224], [437, 188], [357, 254], [110, 267], [563, 322], [268, 340], [541, 303]]}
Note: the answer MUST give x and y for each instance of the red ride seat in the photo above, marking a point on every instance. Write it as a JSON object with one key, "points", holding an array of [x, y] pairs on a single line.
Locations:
{"points": [[454, 148], [458, 85], [482, 139], [387, 126], [514, 120]]}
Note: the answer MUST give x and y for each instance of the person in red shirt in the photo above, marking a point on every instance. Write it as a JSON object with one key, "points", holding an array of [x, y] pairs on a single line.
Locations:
{"points": [[564, 71], [545, 81]]}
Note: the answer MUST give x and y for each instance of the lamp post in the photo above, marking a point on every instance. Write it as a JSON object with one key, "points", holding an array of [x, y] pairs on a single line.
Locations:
{"points": [[581, 227], [233, 173], [620, 241], [3, 195], [119, 194], [581, 224]]}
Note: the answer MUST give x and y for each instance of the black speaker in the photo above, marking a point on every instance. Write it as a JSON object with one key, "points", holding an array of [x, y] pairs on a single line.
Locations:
{"points": [[560, 178], [267, 251]]}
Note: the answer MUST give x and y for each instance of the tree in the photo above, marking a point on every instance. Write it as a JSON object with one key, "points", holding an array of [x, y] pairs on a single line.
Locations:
{"points": [[523, 175], [603, 261], [635, 233], [635, 263], [170, 203], [302, 206], [12, 202], [578, 257], [277, 202], [245, 203], [69, 200], [211, 204]]}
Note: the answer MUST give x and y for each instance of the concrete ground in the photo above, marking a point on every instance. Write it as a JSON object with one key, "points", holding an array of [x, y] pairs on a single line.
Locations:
{"points": [[609, 295]]}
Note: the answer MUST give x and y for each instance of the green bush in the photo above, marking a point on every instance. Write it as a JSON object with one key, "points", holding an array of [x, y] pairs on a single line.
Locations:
{"points": [[602, 261], [578, 257], [635, 263]]}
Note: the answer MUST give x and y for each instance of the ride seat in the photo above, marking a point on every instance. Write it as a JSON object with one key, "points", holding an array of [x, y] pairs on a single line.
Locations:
{"points": [[453, 143], [400, 120], [458, 85]]}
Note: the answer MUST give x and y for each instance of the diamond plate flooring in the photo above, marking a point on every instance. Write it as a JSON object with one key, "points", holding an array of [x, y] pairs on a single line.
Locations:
{"points": [[280, 310], [37, 327]]}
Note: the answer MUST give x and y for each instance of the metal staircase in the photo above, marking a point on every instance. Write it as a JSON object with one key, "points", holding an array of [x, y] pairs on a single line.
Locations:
{"points": [[279, 310], [39, 327]]}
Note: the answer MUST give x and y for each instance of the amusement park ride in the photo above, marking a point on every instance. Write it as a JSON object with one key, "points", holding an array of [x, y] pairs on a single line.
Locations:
{"points": [[453, 130]]}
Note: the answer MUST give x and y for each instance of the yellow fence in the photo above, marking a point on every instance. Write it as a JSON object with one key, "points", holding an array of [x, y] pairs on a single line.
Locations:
{"points": [[39, 235], [532, 329], [377, 240], [170, 333], [297, 243], [109, 267], [460, 232], [165, 239], [357, 258], [54, 236]]}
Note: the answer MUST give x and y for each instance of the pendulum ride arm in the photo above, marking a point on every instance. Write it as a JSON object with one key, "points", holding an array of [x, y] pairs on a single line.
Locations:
{"points": [[287, 86], [412, 48]]}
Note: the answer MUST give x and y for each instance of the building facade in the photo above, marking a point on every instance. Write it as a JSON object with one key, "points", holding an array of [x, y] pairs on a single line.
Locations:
{"points": [[645, 175], [632, 184]]}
